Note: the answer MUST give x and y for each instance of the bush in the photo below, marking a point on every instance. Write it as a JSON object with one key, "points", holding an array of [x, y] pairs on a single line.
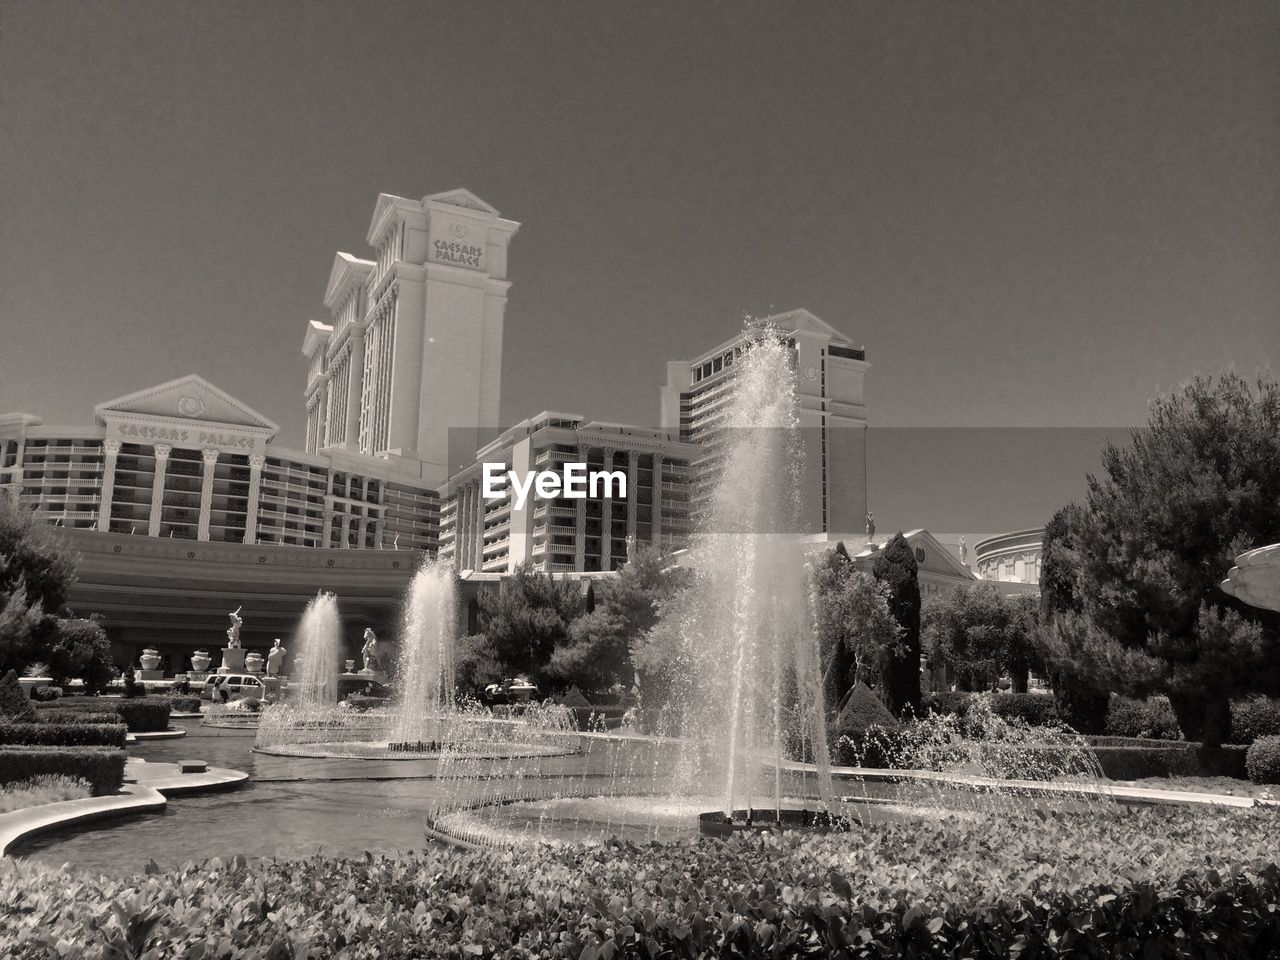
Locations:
{"points": [[46, 788], [58, 715], [1033, 709], [65, 734], [141, 714], [1143, 884], [865, 734], [101, 767], [947, 703], [14, 703], [183, 703], [1263, 760], [1254, 718], [1180, 760], [1150, 719], [45, 694]]}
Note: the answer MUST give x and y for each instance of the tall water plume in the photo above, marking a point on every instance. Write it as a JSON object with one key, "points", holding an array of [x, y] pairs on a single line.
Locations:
{"points": [[753, 692], [319, 649], [426, 655]]}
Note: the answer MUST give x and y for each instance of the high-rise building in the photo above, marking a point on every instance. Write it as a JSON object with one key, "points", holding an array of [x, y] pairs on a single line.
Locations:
{"points": [[411, 358], [830, 373], [564, 535]]}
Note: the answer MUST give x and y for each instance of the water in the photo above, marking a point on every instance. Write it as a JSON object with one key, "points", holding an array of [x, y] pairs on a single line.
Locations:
{"points": [[319, 646], [425, 676]]}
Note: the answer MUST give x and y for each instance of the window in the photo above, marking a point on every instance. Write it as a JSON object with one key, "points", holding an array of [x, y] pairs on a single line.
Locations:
{"points": [[716, 365]]}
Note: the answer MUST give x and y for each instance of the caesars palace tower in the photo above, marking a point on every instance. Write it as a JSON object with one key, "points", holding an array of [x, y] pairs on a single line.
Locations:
{"points": [[412, 356]]}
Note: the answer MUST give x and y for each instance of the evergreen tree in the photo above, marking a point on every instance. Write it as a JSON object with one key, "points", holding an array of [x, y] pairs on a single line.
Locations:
{"points": [[895, 565], [525, 620], [855, 629]]}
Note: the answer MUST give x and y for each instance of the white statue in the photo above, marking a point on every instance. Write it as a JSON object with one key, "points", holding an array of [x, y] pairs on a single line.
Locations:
{"points": [[964, 551], [233, 631], [370, 650], [871, 527], [275, 657]]}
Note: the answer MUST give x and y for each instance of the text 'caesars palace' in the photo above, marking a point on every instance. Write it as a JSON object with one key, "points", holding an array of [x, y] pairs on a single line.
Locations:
{"points": [[182, 504]]}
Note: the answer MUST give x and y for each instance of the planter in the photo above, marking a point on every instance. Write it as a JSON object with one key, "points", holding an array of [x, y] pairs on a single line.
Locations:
{"points": [[150, 659], [201, 661], [253, 663], [30, 683], [351, 665]]}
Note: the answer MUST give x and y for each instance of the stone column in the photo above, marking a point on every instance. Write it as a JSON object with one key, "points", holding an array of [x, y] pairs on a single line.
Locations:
{"points": [[346, 530], [327, 533], [355, 381], [110, 450], [580, 523], [206, 493], [161, 451], [633, 465], [606, 518], [256, 461], [656, 526]]}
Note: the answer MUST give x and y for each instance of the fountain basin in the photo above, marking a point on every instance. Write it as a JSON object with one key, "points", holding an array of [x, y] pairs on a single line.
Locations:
{"points": [[716, 824]]}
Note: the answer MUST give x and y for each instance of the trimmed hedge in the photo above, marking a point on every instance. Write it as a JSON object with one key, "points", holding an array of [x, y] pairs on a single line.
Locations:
{"points": [[1254, 718], [1033, 709], [101, 767], [1174, 760], [140, 714], [78, 716], [1263, 760], [65, 734], [183, 702]]}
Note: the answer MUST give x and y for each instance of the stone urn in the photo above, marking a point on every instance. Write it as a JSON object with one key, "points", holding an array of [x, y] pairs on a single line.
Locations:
{"points": [[150, 659], [253, 662], [201, 661], [351, 665]]}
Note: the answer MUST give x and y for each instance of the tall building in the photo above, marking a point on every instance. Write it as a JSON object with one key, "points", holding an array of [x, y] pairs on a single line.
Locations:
{"points": [[412, 353], [564, 535], [1012, 557], [830, 374]]}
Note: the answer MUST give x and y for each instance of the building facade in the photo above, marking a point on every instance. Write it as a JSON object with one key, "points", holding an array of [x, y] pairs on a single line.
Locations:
{"points": [[830, 376], [562, 535], [410, 359], [1011, 557], [184, 460]]}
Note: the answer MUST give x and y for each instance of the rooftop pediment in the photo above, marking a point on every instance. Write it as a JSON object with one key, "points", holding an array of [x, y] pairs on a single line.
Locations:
{"points": [[461, 198], [188, 398], [346, 270]]}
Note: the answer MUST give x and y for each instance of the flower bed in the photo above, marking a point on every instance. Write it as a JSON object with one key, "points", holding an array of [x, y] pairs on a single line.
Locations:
{"points": [[1141, 884], [65, 734], [101, 767], [39, 790]]}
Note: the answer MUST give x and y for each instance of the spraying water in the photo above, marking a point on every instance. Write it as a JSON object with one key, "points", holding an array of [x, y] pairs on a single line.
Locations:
{"points": [[319, 647], [426, 657], [752, 657]]}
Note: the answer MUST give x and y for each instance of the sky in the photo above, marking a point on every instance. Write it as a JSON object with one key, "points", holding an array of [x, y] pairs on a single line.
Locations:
{"points": [[1030, 214]]}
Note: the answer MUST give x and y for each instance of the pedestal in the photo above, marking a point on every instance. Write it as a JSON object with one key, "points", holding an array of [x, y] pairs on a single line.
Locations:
{"points": [[148, 674], [232, 660]]}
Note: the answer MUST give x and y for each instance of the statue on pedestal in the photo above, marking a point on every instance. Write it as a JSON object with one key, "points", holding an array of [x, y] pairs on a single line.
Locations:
{"points": [[370, 650], [275, 657], [233, 631], [964, 552], [871, 527]]}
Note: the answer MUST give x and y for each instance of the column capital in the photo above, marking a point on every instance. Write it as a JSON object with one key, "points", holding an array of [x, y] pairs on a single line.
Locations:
{"points": [[111, 447], [256, 460], [209, 454], [162, 451]]}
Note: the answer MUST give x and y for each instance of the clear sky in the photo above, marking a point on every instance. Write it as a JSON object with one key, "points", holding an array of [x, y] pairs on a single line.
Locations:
{"points": [[1029, 213]]}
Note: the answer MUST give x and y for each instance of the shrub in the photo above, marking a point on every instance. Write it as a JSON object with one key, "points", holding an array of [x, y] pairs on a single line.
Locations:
{"points": [[101, 767], [1174, 760], [59, 715], [1150, 719], [360, 701], [13, 700], [1263, 760], [183, 703], [1254, 718], [948, 703], [1033, 709], [865, 734], [45, 694], [65, 734], [141, 714], [42, 789]]}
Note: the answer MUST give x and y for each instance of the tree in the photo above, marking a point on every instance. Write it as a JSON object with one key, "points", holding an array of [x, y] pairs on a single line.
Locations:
{"points": [[32, 555], [78, 648], [895, 565], [981, 635], [526, 619], [598, 650], [1162, 524], [855, 627]]}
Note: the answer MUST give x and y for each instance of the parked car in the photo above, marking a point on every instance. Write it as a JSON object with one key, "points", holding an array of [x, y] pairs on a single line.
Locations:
{"points": [[225, 687]]}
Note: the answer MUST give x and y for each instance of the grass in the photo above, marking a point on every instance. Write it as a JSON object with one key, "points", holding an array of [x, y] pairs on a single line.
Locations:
{"points": [[42, 789]]}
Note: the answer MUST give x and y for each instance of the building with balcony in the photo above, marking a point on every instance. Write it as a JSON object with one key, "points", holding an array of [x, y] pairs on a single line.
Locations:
{"points": [[830, 374], [1012, 557], [410, 359], [562, 535]]}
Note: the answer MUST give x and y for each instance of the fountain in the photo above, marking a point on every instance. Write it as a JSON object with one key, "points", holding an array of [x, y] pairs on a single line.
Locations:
{"points": [[426, 659], [319, 648]]}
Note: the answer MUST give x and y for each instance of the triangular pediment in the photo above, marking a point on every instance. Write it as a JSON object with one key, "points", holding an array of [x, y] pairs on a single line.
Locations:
{"points": [[344, 271], [461, 198], [937, 557], [802, 319], [188, 398]]}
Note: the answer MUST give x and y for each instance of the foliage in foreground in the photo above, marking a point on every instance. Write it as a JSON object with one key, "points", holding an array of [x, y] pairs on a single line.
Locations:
{"points": [[42, 789], [1129, 885]]}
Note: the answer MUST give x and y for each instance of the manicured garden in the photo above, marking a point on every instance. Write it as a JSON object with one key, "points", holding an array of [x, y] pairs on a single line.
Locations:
{"points": [[1141, 884]]}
